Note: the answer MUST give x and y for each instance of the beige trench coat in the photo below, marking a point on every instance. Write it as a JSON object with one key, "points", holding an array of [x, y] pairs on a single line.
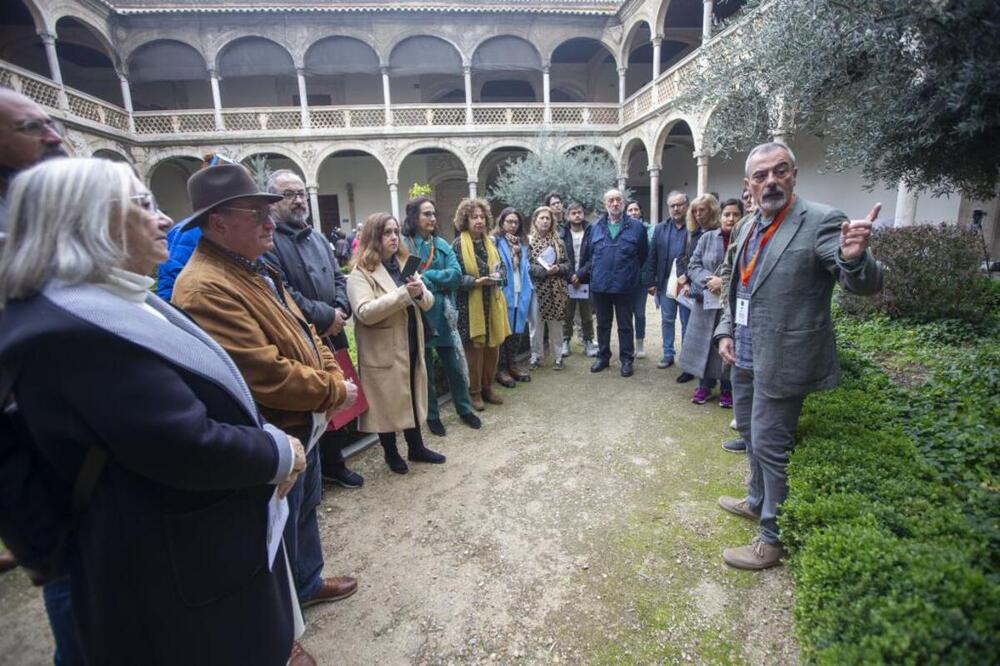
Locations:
{"points": [[383, 350]]}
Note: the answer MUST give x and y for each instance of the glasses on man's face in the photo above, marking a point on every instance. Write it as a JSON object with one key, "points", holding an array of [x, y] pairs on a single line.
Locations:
{"points": [[292, 195], [781, 171], [39, 126], [258, 215]]}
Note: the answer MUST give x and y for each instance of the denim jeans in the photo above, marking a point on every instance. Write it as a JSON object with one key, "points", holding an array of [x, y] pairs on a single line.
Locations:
{"points": [[639, 312], [59, 607], [668, 319], [305, 553]]}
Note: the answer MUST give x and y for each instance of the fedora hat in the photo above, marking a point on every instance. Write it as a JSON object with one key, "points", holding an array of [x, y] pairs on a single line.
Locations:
{"points": [[216, 185]]}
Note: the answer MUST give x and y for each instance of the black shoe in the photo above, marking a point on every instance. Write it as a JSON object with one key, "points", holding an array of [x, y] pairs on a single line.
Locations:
{"points": [[471, 420], [395, 461], [737, 445], [344, 477], [425, 455], [684, 377], [664, 363], [627, 370], [599, 364], [436, 427]]}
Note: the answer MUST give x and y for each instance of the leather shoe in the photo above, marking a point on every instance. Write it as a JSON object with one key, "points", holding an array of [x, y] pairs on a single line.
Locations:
{"points": [[599, 364], [334, 588], [738, 507], [425, 455], [7, 562], [492, 398], [627, 370], [436, 427], [299, 656], [471, 420], [504, 379], [684, 377], [477, 403], [520, 375], [758, 555]]}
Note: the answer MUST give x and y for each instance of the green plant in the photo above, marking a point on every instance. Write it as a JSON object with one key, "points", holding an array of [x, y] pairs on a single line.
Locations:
{"points": [[261, 169], [420, 190], [932, 272]]}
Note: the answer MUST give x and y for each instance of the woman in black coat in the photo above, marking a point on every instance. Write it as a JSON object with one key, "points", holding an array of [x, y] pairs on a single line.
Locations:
{"points": [[168, 552]]}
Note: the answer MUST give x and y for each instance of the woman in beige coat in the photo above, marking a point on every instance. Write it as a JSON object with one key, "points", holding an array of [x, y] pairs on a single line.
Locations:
{"points": [[390, 337]]}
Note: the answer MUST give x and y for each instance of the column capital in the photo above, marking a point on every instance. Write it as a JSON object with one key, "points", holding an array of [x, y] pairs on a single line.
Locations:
{"points": [[467, 70], [546, 69], [392, 183], [300, 71], [657, 41], [212, 72], [622, 71], [653, 170], [47, 37], [701, 158], [312, 189], [384, 70]]}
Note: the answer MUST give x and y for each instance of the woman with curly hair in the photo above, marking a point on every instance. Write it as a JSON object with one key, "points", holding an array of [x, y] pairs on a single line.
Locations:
{"points": [[549, 269], [512, 242], [482, 308]]}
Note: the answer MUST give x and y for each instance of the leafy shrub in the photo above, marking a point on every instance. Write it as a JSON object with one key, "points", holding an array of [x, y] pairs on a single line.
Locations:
{"points": [[932, 272]]}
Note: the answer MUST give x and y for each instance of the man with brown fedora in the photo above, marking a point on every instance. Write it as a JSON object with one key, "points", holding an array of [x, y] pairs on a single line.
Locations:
{"points": [[240, 300]]}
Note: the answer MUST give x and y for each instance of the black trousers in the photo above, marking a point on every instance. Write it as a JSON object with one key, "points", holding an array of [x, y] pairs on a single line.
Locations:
{"points": [[618, 306]]}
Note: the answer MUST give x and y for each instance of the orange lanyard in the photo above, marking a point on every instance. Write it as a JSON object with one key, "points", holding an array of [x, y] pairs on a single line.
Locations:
{"points": [[747, 267], [430, 257]]}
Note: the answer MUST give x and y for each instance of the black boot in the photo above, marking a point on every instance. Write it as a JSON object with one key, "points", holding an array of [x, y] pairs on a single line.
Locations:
{"points": [[392, 457], [417, 451]]}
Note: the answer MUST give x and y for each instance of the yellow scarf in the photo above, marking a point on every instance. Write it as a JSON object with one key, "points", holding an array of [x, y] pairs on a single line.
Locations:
{"points": [[499, 326]]}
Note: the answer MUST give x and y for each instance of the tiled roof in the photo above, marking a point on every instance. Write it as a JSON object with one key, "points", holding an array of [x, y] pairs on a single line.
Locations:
{"points": [[133, 7]]}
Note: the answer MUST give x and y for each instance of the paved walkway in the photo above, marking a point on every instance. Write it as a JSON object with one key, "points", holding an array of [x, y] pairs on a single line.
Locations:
{"points": [[578, 526]]}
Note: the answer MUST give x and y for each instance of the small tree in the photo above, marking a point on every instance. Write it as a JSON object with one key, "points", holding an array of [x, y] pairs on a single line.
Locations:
{"points": [[582, 175], [261, 170]]}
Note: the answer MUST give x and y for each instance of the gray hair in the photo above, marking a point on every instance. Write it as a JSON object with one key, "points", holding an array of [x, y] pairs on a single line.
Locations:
{"points": [[675, 193], [61, 220], [767, 149], [613, 190], [272, 180]]}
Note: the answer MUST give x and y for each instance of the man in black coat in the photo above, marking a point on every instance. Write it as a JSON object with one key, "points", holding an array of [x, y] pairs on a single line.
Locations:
{"points": [[318, 287]]}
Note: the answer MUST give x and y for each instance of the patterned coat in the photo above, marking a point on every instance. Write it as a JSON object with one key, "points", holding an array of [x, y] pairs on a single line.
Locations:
{"points": [[698, 355], [550, 290]]}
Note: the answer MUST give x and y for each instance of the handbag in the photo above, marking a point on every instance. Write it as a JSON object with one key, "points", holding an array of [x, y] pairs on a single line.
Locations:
{"points": [[671, 290], [343, 417]]}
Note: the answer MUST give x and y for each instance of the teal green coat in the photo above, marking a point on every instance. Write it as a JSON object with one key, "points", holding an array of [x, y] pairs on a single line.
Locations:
{"points": [[442, 277]]}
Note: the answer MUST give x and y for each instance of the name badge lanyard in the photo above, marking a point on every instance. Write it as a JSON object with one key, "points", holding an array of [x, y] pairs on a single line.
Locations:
{"points": [[747, 267]]}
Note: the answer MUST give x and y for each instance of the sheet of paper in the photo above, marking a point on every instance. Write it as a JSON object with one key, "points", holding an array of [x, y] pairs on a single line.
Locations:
{"points": [[547, 258], [686, 302], [710, 301], [277, 516], [580, 292], [319, 423], [743, 311]]}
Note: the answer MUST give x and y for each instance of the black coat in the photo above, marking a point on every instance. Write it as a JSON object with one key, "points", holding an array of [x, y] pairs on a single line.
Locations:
{"points": [[567, 238], [313, 275], [168, 563]]}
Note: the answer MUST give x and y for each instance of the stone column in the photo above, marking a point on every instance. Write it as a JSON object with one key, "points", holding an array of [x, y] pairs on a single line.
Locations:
{"points": [[706, 21], [394, 198], [546, 96], [906, 206], [467, 73], [216, 99], [313, 191], [782, 135], [127, 101], [621, 84], [622, 183], [473, 186], [654, 194], [300, 73], [657, 43], [386, 96], [702, 161], [50, 54]]}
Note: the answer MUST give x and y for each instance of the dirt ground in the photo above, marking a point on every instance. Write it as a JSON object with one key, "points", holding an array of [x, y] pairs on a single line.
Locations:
{"points": [[579, 525]]}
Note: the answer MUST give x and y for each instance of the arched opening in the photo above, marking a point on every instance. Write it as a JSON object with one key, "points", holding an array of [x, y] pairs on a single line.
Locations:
{"points": [[85, 62], [492, 166], [19, 41], [421, 65], [444, 172], [507, 69], [168, 183], [262, 165], [352, 186], [341, 71], [636, 168], [168, 74], [113, 155], [679, 171], [256, 72], [639, 55], [583, 63]]}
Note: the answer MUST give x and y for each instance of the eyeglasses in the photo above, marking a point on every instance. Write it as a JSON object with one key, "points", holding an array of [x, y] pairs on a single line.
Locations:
{"points": [[292, 195], [39, 126], [146, 201], [259, 215], [428, 213], [780, 171]]}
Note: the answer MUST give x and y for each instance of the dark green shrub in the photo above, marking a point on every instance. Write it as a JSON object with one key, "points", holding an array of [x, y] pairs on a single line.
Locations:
{"points": [[932, 272]]}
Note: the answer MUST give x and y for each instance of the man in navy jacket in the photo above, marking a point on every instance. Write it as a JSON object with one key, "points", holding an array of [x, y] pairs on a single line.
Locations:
{"points": [[611, 265]]}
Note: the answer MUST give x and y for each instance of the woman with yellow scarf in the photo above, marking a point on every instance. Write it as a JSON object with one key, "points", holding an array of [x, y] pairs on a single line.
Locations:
{"points": [[482, 308]]}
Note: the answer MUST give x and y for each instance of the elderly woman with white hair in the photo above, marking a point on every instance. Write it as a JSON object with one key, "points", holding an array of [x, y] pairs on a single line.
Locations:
{"points": [[142, 469]]}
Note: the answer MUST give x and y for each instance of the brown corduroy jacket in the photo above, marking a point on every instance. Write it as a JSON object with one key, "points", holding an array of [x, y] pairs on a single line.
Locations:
{"points": [[289, 370]]}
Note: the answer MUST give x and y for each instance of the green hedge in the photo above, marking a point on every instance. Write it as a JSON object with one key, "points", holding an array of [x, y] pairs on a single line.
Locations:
{"points": [[892, 516]]}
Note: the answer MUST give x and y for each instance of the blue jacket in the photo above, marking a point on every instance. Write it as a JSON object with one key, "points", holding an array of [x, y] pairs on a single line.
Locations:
{"points": [[181, 245], [612, 266], [517, 311]]}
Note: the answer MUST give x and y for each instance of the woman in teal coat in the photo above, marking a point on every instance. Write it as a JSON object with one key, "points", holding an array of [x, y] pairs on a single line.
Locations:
{"points": [[441, 273]]}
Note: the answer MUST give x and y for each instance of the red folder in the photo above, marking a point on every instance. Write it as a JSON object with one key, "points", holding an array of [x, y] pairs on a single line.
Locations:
{"points": [[342, 418]]}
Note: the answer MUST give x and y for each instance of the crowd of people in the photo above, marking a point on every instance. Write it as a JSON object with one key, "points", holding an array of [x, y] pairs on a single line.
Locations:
{"points": [[163, 485]]}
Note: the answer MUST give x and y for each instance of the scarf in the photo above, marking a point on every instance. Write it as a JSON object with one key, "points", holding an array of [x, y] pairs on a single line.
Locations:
{"points": [[725, 238], [515, 251], [499, 329]]}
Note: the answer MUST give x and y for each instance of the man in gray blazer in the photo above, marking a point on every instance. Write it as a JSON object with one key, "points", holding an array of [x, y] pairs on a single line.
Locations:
{"points": [[776, 328]]}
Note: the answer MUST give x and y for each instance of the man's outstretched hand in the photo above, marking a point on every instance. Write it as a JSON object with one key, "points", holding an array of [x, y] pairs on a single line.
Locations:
{"points": [[854, 235]]}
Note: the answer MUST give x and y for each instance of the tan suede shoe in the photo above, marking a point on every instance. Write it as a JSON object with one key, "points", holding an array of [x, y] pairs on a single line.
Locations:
{"points": [[758, 555], [738, 507]]}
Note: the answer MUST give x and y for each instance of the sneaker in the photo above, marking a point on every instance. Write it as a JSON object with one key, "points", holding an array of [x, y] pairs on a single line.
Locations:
{"points": [[565, 348], [590, 348], [558, 365], [732, 424], [436, 427], [737, 445], [471, 420], [738, 507], [640, 349], [726, 400], [701, 395], [684, 377], [535, 362], [665, 363], [758, 555]]}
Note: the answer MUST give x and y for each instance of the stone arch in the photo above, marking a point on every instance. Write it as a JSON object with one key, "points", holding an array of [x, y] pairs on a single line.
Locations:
{"points": [[226, 40], [628, 147], [497, 144], [167, 179], [39, 16], [341, 70], [168, 73], [581, 64], [667, 125], [423, 144], [478, 45], [89, 21], [312, 174], [573, 144], [629, 37], [345, 32], [661, 13], [20, 43], [281, 151], [418, 32], [509, 73], [420, 63], [611, 48], [264, 70]]}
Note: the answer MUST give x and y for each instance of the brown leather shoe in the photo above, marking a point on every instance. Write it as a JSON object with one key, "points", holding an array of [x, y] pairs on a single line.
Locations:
{"points": [[738, 507], [492, 398], [299, 656], [477, 402], [334, 588], [758, 555], [520, 374], [504, 379], [7, 562]]}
